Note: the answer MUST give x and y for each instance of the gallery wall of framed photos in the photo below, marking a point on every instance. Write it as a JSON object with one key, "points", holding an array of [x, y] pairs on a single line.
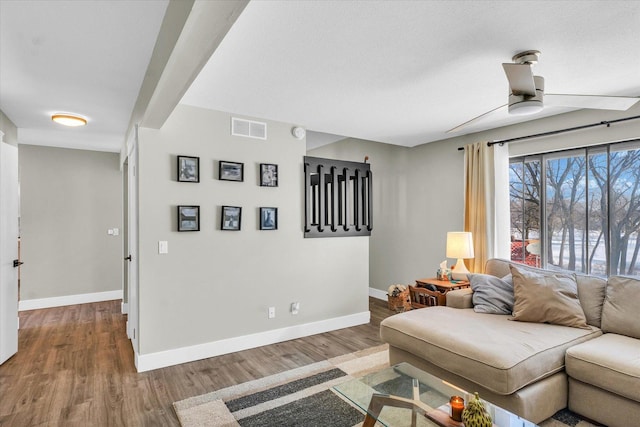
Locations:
{"points": [[188, 217]]}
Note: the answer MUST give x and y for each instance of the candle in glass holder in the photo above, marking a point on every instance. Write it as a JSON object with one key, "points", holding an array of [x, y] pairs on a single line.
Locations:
{"points": [[457, 406]]}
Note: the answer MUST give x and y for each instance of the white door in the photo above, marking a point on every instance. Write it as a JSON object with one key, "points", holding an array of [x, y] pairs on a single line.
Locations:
{"points": [[132, 300], [8, 250]]}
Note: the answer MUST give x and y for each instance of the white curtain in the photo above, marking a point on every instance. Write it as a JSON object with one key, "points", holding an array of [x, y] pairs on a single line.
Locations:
{"points": [[486, 205]]}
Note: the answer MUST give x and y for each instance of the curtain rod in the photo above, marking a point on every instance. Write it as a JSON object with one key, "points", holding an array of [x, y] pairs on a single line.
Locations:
{"points": [[606, 123]]}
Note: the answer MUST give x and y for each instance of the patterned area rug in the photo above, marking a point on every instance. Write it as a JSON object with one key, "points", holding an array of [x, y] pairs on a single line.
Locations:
{"points": [[302, 397]]}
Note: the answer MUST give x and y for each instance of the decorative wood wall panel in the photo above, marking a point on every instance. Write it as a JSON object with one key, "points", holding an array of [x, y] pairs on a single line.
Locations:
{"points": [[337, 198]]}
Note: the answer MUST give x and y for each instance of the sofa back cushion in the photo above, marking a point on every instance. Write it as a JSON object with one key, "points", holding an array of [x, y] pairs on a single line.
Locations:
{"points": [[620, 310], [591, 289], [498, 267], [591, 292]]}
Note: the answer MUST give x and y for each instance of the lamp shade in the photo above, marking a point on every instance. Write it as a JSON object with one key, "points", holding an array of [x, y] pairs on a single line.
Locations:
{"points": [[459, 244]]}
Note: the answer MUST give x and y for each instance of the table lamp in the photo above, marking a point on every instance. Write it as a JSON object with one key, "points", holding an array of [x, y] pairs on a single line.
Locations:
{"points": [[460, 246]]}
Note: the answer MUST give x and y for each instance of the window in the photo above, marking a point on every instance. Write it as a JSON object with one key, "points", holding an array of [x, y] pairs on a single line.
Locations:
{"points": [[578, 210]]}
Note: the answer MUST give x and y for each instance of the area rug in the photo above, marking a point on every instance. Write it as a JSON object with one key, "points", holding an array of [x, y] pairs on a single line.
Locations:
{"points": [[302, 397]]}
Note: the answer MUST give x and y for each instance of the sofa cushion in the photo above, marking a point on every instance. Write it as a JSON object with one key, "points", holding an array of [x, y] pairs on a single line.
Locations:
{"points": [[591, 289], [491, 294], [501, 355], [610, 362], [620, 309], [591, 293], [460, 298], [547, 297]]}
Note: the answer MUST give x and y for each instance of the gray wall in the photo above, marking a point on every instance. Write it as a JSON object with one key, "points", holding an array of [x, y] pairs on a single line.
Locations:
{"points": [[215, 284], [419, 191], [417, 198], [69, 199]]}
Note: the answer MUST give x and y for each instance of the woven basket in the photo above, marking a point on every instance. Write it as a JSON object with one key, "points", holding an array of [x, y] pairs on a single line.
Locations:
{"points": [[401, 302]]}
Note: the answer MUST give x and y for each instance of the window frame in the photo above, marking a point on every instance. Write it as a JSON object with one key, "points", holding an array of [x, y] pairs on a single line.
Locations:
{"points": [[586, 249]]}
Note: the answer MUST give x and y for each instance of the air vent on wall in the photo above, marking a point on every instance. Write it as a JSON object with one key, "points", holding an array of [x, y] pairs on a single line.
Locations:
{"points": [[248, 128]]}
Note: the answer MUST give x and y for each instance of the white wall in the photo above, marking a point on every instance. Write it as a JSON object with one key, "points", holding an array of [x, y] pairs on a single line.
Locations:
{"points": [[215, 285], [419, 191], [69, 199], [9, 129]]}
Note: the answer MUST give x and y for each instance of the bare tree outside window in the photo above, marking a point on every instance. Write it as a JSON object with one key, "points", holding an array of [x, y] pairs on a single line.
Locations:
{"points": [[591, 202], [525, 212]]}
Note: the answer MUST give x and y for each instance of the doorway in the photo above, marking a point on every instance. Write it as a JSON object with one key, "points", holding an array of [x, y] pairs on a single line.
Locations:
{"points": [[9, 262]]}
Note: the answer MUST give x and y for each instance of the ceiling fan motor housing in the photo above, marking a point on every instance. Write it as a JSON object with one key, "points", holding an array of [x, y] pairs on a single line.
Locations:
{"points": [[526, 104]]}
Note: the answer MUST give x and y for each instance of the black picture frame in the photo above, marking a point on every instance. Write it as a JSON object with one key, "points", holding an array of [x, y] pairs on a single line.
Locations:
{"points": [[188, 169], [188, 218], [268, 218], [230, 171], [231, 218], [268, 175]]}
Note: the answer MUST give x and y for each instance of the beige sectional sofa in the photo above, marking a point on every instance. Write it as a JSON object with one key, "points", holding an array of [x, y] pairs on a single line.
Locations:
{"points": [[533, 369]]}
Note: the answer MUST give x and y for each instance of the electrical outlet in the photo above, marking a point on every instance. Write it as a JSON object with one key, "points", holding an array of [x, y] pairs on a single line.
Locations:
{"points": [[272, 312], [295, 307]]}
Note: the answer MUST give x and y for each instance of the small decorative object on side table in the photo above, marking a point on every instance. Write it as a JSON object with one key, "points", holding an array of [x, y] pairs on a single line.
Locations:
{"points": [[432, 292]]}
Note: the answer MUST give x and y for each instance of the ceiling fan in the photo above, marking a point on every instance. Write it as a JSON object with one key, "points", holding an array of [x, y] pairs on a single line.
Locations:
{"points": [[526, 93]]}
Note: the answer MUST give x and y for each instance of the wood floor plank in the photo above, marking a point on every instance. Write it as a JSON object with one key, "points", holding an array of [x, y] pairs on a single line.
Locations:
{"points": [[75, 367]]}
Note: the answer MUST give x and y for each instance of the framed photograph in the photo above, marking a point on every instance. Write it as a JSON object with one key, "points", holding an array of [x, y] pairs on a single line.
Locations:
{"points": [[230, 171], [268, 175], [188, 169], [188, 218], [268, 218], [231, 218]]}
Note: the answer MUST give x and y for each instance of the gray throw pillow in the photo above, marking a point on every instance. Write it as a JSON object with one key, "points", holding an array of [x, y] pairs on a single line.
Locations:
{"points": [[492, 294]]}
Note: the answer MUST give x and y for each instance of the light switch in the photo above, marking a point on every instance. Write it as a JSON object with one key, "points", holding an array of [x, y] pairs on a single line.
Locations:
{"points": [[116, 231], [110, 232], [163, 247]]}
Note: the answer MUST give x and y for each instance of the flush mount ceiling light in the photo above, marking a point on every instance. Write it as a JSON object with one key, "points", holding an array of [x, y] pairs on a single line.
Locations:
{"points": [[69, 119]]}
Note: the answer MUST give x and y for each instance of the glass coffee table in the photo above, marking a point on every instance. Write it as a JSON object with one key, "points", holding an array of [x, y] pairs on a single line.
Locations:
{"points": [[403, 395]]}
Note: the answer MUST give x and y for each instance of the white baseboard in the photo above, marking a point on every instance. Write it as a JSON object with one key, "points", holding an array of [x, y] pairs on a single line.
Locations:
{"points": [[34, 304], [124, 308], [377, 293], [161, 359]]}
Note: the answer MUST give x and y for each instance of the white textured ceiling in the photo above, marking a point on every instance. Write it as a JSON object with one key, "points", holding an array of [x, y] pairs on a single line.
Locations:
{"points": [[400, 72], [403, 72], [82, 56]]}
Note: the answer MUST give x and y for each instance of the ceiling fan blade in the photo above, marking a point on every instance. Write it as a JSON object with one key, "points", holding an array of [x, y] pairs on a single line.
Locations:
{"points": [[475, 119], [590, 101], [520, 79]]}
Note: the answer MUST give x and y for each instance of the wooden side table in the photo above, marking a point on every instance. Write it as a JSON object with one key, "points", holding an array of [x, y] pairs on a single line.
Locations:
{"points": [[423, 295]]}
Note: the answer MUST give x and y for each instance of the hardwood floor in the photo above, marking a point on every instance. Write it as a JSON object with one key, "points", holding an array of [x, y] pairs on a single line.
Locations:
{"points": [[75, 367]]}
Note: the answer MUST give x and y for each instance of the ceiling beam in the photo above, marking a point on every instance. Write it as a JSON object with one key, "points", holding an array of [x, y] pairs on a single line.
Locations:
{"points": [[205, 28], [173, 22]]}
